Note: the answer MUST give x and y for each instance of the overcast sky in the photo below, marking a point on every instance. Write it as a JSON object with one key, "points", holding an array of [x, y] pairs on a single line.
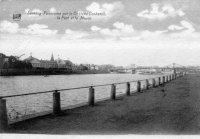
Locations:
{"points": [[142, 32]]}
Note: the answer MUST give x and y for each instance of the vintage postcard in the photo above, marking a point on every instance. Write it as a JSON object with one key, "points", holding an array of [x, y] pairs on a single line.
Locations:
{"points": [[99, 67]]}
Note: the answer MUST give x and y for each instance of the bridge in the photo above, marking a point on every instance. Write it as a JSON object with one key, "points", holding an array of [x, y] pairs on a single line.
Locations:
{"points": [[174, 67]]}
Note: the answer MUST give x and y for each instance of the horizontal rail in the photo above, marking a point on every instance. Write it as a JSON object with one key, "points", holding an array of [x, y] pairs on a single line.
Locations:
{"points": [[75, 88]]}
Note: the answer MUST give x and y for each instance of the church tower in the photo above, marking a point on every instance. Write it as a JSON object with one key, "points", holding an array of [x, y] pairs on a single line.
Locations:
{"points": [[52, 58]]}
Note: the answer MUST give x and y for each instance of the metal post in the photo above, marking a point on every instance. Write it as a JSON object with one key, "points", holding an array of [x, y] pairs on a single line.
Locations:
{"points": [[56, 103], [147, 84], [91, 96], [3, 115], [154, 82], [167, 78], [159, 82], [113, 92], [138, 86], [163, 81], [128, 89]]}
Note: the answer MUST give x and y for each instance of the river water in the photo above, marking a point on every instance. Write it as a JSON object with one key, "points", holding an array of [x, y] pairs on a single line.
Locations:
{"points": [[25, 105]]}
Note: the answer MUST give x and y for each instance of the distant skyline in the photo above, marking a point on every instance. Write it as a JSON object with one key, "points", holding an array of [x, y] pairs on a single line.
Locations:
{"points": [[142, 32]]}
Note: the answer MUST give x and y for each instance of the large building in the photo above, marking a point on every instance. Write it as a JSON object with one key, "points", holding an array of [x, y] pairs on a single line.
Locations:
{"points": [[36, 63]]}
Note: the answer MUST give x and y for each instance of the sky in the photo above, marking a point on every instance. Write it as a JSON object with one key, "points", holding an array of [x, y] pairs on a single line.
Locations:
{"points": [[118, 32]]}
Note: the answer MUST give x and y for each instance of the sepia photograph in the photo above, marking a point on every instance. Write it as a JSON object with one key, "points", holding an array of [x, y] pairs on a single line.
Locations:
{"points": [[99, 67]]}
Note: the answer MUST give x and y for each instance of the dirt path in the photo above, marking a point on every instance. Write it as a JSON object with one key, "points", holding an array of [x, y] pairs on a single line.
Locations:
{"points": [[176, 110]]}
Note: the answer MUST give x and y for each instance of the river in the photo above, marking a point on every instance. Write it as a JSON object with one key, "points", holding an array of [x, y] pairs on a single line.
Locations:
{"points": [[20, 106]]}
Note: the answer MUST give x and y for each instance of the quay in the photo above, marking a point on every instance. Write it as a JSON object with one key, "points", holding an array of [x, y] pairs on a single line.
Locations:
{"points": [[171, 108]]}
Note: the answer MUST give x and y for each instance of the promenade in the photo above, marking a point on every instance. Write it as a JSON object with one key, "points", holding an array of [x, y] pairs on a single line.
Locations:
{"points": [[170, 109]]}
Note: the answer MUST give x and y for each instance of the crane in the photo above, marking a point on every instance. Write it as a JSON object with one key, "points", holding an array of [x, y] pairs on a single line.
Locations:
{"points": [[18, 57]]}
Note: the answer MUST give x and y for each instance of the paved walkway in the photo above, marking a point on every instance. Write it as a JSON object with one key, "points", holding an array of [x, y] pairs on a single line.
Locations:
{"points": [[176, 110]]}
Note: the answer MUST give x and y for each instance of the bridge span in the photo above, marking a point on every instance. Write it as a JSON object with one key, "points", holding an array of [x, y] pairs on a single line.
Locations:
{"points": [[168, 68]]}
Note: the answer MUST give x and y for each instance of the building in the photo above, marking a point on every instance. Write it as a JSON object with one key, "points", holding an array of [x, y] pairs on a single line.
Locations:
{"points": [[48, 64], [61, 63], [3, 61], [36, 63]]}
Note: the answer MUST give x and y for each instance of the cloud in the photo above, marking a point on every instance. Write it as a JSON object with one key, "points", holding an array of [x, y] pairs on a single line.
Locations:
{"points": [[52, 10], [95, 28], [33, 29], [146, 34], [175, 27], [187, 26], [38, 29], [9, 27], [184, 25], [72, 35], [159, 13], [123, 27], [108, 10], [185, 29], [120, 30]]}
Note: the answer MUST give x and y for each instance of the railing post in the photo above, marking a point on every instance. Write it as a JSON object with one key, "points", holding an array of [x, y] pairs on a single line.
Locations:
{"points": [[113, 92], [56, 103], [91, 96], [154, 82], [128, 89], [167, 80], [147, 84], [3, 115], [163, 81], [159, 82], [138, 86]]}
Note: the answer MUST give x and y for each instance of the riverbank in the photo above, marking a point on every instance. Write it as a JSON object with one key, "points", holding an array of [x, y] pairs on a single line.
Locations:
{"points": [[172, 109], [24, 72]]}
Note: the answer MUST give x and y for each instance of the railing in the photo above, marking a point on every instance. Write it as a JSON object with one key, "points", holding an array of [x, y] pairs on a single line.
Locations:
{"points": [[56, 105]]}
